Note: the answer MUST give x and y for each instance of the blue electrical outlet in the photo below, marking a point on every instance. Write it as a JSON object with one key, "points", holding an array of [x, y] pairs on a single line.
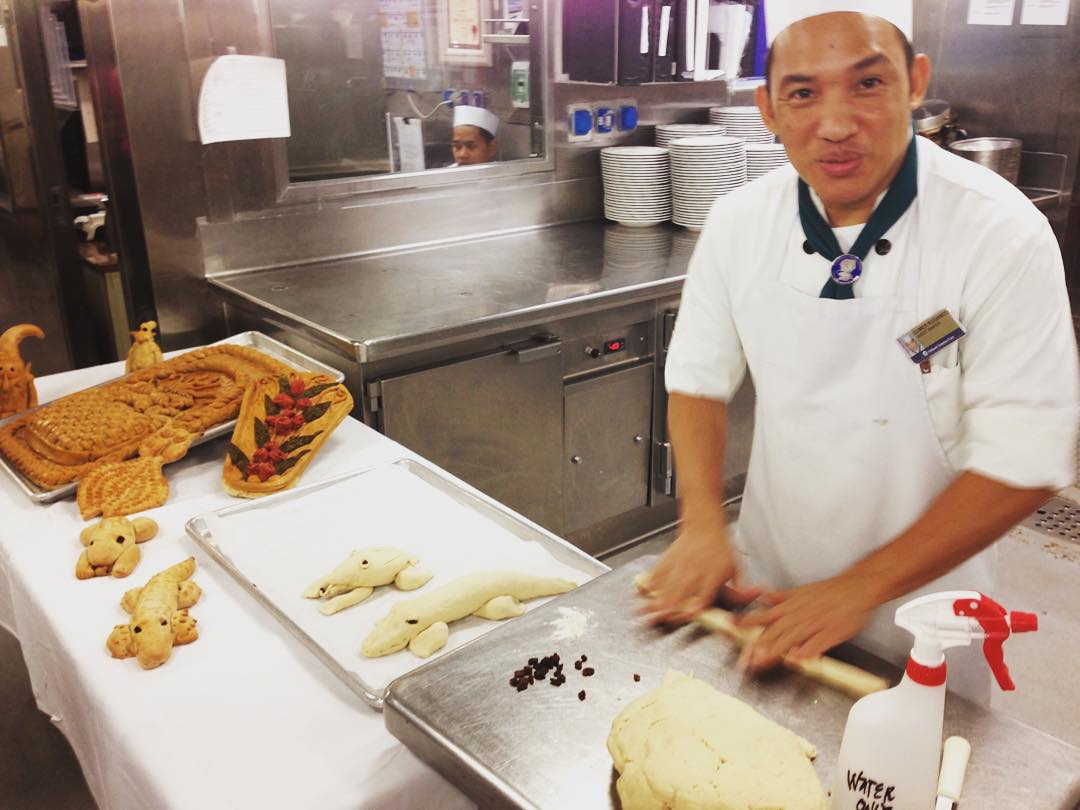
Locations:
{"points": [[628, 116], [579, 123]]}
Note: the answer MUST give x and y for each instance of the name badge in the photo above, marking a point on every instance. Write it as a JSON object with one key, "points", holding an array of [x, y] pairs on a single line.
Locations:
{"points": [[931, 336]]}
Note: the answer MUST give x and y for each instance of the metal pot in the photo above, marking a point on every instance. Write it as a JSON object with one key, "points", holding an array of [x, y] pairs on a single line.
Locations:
{"points": [[1002, 155], [934, 120]]}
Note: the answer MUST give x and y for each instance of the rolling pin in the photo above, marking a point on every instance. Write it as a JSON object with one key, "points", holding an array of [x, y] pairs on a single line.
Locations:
{"points": [[850, 680]]}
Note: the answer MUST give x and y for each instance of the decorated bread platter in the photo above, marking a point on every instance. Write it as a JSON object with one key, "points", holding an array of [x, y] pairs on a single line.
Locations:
{"points": [[378, 570], [279, 354]]}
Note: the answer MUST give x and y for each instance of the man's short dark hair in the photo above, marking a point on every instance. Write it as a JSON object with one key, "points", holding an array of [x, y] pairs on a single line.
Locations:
{"points": [[487, 136], [909, 54]]}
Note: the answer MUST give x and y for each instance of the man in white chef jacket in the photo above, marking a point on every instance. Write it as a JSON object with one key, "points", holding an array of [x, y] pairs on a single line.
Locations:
{"points": [[872, 477], [474, 135]]}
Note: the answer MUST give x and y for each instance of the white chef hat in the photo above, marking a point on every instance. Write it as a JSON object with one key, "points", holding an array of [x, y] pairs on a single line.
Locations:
{"points": [[779, 14], [465, 115]]}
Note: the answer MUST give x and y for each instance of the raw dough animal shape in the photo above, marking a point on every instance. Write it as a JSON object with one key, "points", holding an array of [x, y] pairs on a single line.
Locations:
{"points": [[688, 745], [123, 488], [421, 623], [144, 352], [17, 390], [111, 546], [159, 617], [361, 573]]}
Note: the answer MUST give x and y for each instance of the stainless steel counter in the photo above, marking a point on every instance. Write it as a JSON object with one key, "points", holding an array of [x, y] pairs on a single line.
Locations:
{"points": [[545, 748], [391, 304]]}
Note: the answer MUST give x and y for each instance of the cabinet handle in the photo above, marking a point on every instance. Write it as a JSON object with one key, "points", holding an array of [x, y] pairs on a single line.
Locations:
{"points": [[639, 439], [575, 459], [539, 348]]}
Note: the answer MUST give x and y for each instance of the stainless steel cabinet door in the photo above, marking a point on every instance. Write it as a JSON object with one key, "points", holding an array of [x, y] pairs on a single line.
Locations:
{"points": [[493, 421], [606, 465]]}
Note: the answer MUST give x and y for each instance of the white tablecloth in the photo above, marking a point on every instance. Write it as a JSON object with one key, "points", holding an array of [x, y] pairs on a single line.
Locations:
{"points": [[243, 718]]}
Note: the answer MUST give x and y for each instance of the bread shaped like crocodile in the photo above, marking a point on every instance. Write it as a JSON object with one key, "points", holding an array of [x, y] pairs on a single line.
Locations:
{"points": [[422, 624], [159, 617], [355, 579]]}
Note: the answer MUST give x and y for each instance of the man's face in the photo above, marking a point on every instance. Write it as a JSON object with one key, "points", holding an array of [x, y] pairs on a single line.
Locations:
{"points": [[470, 146], [840, 98]]}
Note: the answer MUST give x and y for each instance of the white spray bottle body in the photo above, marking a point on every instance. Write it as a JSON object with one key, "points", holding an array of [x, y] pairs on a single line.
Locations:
{"points": [[892, 741]]}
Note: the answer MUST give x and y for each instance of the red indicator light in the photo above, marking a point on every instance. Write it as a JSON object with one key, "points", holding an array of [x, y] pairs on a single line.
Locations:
{"points": [[614, 345]]}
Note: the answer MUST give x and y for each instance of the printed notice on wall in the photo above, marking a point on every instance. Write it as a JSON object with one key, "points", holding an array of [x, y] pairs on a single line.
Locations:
{"points": [[991, 12], [1045, 12], [243, 98], [3, 37]]}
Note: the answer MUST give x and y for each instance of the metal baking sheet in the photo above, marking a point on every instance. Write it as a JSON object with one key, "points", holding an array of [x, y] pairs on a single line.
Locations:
{"points": [[254, 340], [276, 546], [545, 748]]}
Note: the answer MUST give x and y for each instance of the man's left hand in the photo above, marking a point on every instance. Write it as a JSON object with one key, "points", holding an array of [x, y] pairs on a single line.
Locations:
{"points": [[805, 622]]}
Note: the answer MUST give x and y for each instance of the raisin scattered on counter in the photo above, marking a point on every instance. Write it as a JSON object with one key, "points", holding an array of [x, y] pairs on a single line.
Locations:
{"points": [[581, 695], [588, 672], [584, 658], [577, 665], [636, 677]]}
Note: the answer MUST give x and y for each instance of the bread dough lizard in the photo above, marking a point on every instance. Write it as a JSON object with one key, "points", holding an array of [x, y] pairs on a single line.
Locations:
{"points": [[688, 746], [422, 623], [355, 579]]}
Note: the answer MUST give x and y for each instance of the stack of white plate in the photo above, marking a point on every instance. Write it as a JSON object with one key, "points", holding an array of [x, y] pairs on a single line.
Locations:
{"points": [[636, 248], [637, 184], [762, 158], [702, 169], [742, 122], [666, 133]]}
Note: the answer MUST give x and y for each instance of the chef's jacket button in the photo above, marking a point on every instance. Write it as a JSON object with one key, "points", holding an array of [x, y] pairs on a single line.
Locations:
{"points": [[807, 247], [883, 246]]}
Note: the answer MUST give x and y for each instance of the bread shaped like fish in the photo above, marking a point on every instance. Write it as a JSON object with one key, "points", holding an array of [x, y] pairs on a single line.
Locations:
{"points": [[407, 622]]}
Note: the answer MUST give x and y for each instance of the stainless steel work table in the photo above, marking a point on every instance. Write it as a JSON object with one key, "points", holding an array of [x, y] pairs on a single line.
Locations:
{"points": [[391, 304], [545, 748]]}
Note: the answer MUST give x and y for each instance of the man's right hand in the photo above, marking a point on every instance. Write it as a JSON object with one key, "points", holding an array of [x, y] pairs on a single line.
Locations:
{"points": [[698, 568]]}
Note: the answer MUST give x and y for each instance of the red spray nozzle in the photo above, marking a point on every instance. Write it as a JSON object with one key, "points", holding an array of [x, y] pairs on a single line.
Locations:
{"points": [[998, 624]]}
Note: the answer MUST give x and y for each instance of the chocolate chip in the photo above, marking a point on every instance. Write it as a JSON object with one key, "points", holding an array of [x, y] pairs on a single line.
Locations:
{"points": [[412, 621], [581, 695], [588, 671], [636, 677]]}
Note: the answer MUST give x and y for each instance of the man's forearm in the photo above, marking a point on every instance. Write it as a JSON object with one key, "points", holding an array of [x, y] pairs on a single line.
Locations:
{"points": [[697, 427], [968, 516]]}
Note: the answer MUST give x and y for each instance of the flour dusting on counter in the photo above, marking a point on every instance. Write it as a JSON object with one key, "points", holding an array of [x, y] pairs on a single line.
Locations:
{"points": [[570, 624]]}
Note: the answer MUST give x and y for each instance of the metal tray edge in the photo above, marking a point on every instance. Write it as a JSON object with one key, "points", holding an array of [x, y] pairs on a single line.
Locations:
{"points": [[198, 530]]}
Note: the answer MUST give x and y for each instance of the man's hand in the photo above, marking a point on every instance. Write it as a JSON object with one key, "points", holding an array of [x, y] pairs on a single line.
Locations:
{"points": [[692, 573], [806, 622]]}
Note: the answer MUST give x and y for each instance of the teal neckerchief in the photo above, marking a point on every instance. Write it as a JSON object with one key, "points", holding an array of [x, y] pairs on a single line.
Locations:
{"points": [[896, 201]]}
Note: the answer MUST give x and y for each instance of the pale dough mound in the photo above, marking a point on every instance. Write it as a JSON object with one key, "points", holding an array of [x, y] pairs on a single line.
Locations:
{"points": [[686, 746]]}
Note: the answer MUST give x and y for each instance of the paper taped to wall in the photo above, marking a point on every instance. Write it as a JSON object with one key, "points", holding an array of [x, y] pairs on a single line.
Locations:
{"points": [[243, 98]]}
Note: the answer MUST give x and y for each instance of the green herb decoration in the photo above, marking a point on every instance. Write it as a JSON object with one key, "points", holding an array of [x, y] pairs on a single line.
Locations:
{"points": [[315, 390], [296, 442], [289, 463], [283, 384], [262, 432], [271, 408], [239, 459], [315, 411]]}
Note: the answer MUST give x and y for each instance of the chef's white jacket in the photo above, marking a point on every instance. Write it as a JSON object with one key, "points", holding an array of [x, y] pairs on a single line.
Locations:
{"points": [[1004, 400]]}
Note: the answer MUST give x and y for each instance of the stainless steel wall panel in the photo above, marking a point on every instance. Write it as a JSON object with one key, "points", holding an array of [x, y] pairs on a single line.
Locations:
{"points": [[155, 78]]}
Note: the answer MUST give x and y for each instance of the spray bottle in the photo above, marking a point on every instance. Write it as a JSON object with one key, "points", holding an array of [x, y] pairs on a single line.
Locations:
{"points": [[892, 742]]}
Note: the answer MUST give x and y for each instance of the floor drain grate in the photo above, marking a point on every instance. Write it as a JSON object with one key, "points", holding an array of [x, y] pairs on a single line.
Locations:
{"points": [[1058, 517]]}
